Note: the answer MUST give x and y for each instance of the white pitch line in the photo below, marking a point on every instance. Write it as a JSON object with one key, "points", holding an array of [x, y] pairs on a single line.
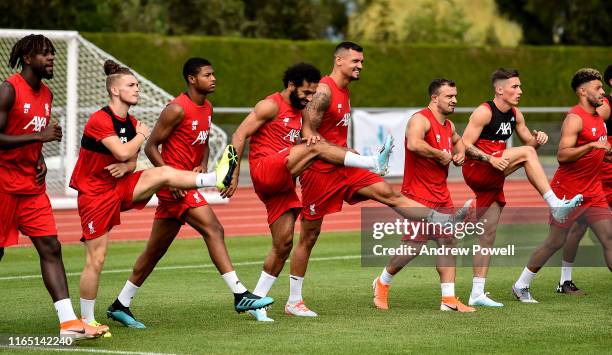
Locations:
{"points": [[80, 350], [179, 267]]}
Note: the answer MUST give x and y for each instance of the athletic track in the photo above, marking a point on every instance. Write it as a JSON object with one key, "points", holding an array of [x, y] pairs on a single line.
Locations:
{"points": [[245, 215]]}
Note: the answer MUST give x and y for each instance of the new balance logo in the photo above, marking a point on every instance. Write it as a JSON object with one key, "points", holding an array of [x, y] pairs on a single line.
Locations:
{"points": [[437, 138], [593, 130], [194, 125], [504, 128], [47, 110], [38, 122], [122, 131], [91, 227], [339, 108], [345, 120], [26, 107], [201, 139], [286, 120], [293, 136]]}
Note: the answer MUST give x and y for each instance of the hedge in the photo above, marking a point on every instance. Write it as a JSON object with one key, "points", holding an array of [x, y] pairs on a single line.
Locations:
{"points": [[393, 75]]}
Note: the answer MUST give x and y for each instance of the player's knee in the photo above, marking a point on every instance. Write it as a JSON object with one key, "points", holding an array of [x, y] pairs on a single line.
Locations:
{"points": [[214, 231], [393, 198], [165, 174], [49, 248], [555, 244], [529, 152], [487, 239], [95, 261], [283, 248]]}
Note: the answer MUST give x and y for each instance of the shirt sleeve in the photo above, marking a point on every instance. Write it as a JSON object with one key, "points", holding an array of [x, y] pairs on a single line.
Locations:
{"points": [[99, 126]]}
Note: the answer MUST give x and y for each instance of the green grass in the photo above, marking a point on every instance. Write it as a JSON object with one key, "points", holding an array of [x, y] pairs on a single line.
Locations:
{"points": [[190, 310]]}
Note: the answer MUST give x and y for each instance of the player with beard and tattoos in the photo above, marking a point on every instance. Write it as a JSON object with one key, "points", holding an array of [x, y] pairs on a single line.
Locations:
{"points": [[277, 157]]}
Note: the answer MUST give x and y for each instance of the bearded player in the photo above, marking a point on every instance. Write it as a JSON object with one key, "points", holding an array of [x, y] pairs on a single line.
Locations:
{"points": [[566, 284], [25, 124], [431, 145], [277, 157], [582, 149], [325, 186]]}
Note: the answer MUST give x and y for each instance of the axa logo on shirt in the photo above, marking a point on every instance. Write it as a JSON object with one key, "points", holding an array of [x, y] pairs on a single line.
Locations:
{"points": [[504, 128], [201, 138], [293, 136], [345, 120], [38, 122]]}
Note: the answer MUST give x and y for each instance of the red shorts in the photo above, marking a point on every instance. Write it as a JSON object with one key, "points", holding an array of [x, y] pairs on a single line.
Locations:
{"points": [[486, 182], [593, 209], [607, 188], [171, 208], [29, 214], [274, 185], [100, 213], [443, 207], [323, 192]]}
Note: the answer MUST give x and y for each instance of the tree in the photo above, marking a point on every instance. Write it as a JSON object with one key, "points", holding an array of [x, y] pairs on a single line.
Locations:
{"points": [[584, 22]]}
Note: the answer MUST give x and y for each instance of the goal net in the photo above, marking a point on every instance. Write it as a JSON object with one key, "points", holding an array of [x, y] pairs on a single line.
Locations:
{"points": [[78, 87]]}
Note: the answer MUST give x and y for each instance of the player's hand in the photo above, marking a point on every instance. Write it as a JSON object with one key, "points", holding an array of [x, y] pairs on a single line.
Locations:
{"points": [[444, 158], [601, 145], [540, 137], [499, 163], [458, 159], [177, 193], [41, 172], [52, 132], [312, 139], [229, 191], [143, 129], [118, 170]]}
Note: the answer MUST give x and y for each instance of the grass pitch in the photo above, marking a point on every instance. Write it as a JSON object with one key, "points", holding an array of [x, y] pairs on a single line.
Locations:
{"points": [[188, 309]]}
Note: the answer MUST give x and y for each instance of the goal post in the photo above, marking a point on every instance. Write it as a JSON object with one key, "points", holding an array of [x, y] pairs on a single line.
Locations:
{"points": [[78, 87]]}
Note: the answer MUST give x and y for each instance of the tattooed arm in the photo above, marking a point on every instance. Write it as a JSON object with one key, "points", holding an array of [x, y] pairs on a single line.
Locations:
{"points": [[312, 115], [480, 118]]}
